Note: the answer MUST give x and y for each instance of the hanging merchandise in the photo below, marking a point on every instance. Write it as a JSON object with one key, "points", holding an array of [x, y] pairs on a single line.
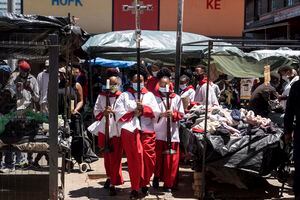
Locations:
{"points": [[246, 86]]}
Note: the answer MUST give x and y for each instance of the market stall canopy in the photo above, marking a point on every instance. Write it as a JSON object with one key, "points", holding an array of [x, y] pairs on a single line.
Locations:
{"points": [[112, 63], [155, 45], [249, 65], [161, 45], [16, 30]]}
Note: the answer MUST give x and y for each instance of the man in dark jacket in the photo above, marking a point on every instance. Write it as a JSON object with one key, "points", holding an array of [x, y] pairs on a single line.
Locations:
{"points": [[292, 112], [262, 95]]}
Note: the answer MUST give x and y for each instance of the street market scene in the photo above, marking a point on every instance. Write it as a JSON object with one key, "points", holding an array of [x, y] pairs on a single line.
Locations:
{"points": [[149, 99]]}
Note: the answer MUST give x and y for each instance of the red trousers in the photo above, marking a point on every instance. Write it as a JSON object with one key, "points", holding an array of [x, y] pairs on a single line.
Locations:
{"points": [[149, 156], [132, 145], [166, 167], [112, 160]]}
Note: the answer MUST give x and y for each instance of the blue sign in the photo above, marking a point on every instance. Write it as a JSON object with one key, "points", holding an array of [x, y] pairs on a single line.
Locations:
{"points": [[66, 2]]}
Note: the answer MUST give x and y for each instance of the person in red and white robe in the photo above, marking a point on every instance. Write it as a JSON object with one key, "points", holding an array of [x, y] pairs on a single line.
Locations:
{"points": [[187, 91], [136, 122], [167, 165], [112, 159]]}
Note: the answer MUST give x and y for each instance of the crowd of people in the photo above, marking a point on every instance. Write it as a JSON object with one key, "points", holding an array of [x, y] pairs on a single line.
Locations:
{"points": [[20, 91], [139, 123]]}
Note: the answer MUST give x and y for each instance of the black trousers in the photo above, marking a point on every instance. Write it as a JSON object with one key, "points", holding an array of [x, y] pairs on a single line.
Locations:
{"points": [[297, 167]]}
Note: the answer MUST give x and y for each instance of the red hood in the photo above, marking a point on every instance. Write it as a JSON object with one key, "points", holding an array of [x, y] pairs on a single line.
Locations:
{"points": [[188, 87], [203, 81], [132, 91], [118, 93]]}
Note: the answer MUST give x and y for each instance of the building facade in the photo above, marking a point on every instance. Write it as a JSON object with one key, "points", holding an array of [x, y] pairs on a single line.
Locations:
{"points": [[215, 18], [272, 19], [4, 6]]}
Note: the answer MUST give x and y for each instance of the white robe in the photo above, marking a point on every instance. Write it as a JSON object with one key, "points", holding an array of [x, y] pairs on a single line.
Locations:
{"points": [[126, 103], [190, 93], [200, 95], [161, 125], [99, 108]]}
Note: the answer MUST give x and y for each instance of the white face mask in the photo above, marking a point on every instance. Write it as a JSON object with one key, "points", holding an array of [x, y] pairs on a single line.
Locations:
{"points": [[135, 86], [154, 74], [162, 89], [183, 86]]}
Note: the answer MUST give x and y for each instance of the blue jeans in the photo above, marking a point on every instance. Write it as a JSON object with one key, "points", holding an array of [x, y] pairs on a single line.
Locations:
{"points": [[10, 162]]}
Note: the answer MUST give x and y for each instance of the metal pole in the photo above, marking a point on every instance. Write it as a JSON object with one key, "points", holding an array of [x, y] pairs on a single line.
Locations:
{"points": [[53, 122], [11, 6], [138, 45], [178, 43], [210, 46]]}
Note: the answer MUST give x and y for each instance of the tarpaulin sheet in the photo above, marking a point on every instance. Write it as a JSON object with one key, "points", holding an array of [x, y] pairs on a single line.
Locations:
{"points": [[101, 62], [17, 30], [258, 153], [161, 45]]}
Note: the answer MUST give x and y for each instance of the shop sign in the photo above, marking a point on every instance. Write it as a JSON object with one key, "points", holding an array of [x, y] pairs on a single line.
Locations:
{"points": [[66, 2], [213, 4], [246, 86]]}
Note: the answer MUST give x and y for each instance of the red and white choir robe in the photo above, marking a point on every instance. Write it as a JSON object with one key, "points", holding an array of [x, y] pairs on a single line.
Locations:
{"points": [[188, 92], [200, 96], [138, 138], [166, 167], [112, 160]]}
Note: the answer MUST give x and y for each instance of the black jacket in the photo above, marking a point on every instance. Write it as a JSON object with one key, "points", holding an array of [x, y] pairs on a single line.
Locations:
{"points": [[292, 111]]}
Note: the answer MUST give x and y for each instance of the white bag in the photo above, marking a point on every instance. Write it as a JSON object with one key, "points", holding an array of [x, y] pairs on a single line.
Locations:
{"points": [[94, 128]]}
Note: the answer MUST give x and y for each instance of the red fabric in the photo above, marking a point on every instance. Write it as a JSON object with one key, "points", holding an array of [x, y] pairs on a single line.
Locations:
{"points": [[197, 130], [148, 143], [117, 94], [187, 88], [151, 84], [127, 117], [132, 145], [99, 116], [148, 112], [143, 90], [177, 116], [166, 167], [203, 81], [112, 160], [24, 65]]}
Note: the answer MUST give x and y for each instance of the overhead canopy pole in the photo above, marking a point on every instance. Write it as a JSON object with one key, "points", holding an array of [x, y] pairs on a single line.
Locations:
{"points": [[210, 46], [178, 44], [137, 8]]}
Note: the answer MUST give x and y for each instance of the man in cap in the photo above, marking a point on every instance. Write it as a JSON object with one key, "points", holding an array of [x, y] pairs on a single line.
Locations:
{"points": [[24, 86]]}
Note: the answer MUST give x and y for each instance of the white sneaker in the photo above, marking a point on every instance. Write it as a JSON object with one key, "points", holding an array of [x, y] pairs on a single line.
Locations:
{"points": [[7, 170]]}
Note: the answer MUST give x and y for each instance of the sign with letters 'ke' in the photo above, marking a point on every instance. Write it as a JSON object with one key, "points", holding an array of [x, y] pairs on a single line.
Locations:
{"points": [[66, 2], [213, 4]]}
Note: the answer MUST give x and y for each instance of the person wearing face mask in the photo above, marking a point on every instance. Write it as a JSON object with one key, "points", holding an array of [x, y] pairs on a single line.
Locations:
{"points": [[152, 80], [136, 119], [112, 159], [260, 98], [187, 91], [166, 167], [24, 86], [289, 75], [200, 93]]}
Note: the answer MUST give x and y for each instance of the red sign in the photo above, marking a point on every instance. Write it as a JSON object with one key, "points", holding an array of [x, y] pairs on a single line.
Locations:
{"points": [[213, 4], [125, 20]]}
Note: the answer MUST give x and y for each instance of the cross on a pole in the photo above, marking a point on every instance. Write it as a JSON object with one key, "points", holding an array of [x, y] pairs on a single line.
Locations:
{"points": [[137, 8]]}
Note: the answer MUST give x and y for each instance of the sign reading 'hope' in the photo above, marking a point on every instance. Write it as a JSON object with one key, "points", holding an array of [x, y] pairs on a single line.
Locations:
{"points": [[66, 2], [213, 4]]}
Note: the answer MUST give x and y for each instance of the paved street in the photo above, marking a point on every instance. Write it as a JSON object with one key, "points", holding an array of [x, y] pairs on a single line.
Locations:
{"points": [[90, 186]]}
